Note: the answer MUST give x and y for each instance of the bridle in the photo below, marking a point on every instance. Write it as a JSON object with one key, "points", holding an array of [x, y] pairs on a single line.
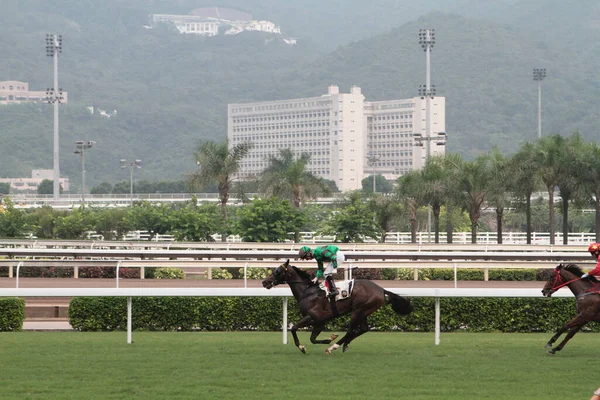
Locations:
{"points": [[559, 282]]}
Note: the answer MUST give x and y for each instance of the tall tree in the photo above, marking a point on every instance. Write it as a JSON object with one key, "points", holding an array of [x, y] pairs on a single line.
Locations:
{"points": [[473, 187], [217, 163], [525, 179], [589, 175], [570, 188], [499, 195], [287, 177], [410, 191], [387, 210], [548, 157]]}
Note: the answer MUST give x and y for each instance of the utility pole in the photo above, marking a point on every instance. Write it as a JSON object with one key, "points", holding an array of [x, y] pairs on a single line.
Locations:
{"points": [[538, 76]]}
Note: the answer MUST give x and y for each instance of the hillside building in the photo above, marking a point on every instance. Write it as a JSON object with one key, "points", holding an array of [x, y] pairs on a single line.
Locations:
{"points": [[208, 21], [16, 92], [347, 137], [31, 184]]}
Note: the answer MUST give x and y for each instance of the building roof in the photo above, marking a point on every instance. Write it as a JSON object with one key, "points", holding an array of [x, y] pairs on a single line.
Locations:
{"points": [[222, 13]]}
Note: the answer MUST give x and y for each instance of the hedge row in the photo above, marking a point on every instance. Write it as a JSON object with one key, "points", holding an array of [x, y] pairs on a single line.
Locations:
{"points": [[265, 314], [12, 314]]}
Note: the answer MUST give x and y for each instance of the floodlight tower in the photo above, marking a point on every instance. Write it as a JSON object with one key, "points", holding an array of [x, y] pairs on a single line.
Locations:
{"points": [[54, 96], [80, 148], [131, 165], [427, 41], [538, 76]]}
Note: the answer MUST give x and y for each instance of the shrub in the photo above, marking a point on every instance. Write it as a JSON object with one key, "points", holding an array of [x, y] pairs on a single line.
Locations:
{"points": [[264, 313], [221, 273], [12, 314], [168, 273], [255, 273]]}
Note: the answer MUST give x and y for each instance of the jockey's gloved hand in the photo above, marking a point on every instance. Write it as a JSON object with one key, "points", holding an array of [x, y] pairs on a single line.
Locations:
{"points": [[584, 276], [319, 274]]}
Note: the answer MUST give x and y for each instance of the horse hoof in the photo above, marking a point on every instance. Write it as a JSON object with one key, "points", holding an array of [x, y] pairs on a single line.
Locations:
{"points": [[344, 349], [302, 349], [551, 351], [548, 345], [327, 351]]}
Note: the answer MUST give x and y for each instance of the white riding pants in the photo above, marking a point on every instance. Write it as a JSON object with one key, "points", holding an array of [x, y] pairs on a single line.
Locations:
{"points": [[329, 270]]}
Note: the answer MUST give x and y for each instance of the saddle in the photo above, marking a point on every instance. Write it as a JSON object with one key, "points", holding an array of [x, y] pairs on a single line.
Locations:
{"points": [[344, 289]]}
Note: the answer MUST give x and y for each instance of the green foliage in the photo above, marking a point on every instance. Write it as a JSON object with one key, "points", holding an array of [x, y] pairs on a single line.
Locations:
{"points": [[74, 224], [268, 220], [195, 223], [221, 273], [153, 218], [12, 314], [255, 273], [12, 221], [264, 313], [353, 222], [47, 187], [474, 274], [168, 273], [382, 185]]}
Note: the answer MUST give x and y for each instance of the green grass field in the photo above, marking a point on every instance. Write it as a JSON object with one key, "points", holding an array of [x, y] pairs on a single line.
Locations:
{"points": [[252, 365]]}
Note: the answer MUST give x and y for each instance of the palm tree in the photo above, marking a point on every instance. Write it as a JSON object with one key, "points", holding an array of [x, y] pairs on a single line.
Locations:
{"points": [[387, 209], [589, 176], [500, 181], [548, 157], [218, 164], [287, 177], [438, 187], [474, 179], [410, 191], [525, 179], [570, 188]]}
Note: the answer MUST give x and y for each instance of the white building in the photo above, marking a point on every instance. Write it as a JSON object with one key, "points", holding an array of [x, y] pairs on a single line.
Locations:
{"points": [[340, 131], [207, 21], [16, 92], [31, 184]]}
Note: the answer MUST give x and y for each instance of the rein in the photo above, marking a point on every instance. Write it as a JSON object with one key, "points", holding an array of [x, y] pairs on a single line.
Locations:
{"points": [[561, 284]]}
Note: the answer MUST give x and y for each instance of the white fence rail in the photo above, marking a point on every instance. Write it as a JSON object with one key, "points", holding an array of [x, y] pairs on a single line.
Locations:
{"points": [[258, 292]]}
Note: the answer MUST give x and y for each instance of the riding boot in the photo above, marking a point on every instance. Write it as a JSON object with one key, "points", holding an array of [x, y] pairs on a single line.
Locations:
{"points": [[332, 289]]}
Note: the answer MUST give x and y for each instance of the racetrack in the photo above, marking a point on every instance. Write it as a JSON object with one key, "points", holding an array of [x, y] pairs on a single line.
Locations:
{"points": [[255, 365]]}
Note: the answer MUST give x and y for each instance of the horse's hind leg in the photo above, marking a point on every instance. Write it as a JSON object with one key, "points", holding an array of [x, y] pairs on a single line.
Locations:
{"points": [[316, 331], [363, 328], [556, 336], [352, 332]]}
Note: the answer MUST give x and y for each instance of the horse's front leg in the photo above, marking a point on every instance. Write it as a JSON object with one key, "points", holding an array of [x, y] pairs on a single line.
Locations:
{"points": [[562, 344], [306, 321], [556, 336], [317, 329]]}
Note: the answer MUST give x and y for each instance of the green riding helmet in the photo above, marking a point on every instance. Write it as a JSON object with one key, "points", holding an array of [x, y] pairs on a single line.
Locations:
{"points": [[303, 252]]}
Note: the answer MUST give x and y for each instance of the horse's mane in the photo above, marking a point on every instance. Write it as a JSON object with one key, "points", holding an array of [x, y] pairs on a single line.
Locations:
{"points": [[303, 274], [573, 268]]}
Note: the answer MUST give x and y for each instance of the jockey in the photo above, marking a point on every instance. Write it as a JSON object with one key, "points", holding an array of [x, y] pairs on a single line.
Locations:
{"points": [[594, 250], [329, 254]]}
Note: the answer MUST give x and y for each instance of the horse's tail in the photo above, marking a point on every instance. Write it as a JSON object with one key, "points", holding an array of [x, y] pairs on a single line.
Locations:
{"points": [[400, 305]]}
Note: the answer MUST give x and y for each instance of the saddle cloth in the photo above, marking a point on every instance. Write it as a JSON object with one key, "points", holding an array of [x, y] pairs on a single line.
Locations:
{"points": [[344, 289]]}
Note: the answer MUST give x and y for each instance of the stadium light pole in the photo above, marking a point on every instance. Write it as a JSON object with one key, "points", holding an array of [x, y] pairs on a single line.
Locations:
{"points": [[131, 165], [427, 41], [538, 76], [80, 148], [54, 96], [372, 159]]}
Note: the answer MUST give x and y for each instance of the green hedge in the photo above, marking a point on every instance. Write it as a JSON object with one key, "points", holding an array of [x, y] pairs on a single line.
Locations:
{"points": [[473, 274], [265, 314], [12, 314]]}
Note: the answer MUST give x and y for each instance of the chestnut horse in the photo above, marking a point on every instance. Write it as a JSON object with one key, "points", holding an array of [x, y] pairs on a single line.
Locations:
{"points": [[588, 300], [366, 298]]}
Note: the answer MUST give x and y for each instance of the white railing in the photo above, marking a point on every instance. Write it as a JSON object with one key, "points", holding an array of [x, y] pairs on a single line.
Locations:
{"points": [[259, 292]]}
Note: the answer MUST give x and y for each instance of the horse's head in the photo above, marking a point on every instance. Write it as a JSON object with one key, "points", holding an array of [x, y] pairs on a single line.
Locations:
{"points": [[561, 276], [278, 276]]}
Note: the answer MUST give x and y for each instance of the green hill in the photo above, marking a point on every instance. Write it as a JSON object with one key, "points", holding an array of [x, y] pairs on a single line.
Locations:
{"points": [[171, 90]]}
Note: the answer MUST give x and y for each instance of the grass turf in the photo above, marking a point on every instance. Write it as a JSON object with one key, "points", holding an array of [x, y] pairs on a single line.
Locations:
{"points": [[256, 365]]}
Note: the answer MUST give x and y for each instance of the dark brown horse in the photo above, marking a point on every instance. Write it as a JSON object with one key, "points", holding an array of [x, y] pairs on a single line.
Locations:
{"points": [[586, 293], [366, 298]]}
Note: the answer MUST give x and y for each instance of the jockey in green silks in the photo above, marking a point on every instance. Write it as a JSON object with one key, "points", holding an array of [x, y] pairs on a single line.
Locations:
{"points": [[329, 254]]}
